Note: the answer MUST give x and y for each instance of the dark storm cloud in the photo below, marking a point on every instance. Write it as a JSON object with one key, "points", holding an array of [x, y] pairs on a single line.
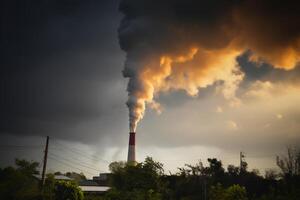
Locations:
{"points": [[170, 25], [59, 62], [60, 58]]}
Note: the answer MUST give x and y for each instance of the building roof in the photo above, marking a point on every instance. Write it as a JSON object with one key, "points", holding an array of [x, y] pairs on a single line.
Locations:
{"points": [[88, 183], [94, 188], [62, 177], [56, 177]]}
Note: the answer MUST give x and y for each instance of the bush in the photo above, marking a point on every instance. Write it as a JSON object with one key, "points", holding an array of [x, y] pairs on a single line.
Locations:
{"points": [[234, 192], [67, 190], [19, 183]]}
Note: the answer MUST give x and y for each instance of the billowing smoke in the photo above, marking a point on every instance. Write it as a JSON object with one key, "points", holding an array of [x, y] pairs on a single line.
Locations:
{"points": [[188, 45]]}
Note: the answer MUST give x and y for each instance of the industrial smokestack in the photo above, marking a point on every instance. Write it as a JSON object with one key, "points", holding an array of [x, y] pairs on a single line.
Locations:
{"points": [[131, 148]]}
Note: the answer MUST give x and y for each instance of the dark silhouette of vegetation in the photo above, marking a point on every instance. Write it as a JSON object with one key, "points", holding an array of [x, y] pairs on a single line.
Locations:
{"points": [[147, 181], [235, 192], [206, 183], [140, 181], [22, 183], [67, 190], [290, 163], [18, 182]]}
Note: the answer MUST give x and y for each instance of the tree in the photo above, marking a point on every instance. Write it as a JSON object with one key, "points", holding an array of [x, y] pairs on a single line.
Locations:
{"points": [[28, 168], [76, 176], [135, 182], [194, 170], [271, 174], [116, 165], [215, 167], [67, 190], [290, 163], [217, 192], [19, 183], [234, 192], [215, 171], [233, 170]]}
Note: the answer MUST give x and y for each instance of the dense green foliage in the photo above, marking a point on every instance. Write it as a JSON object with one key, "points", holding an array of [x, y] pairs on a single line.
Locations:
{"points": [[67, 190], [147, 181], [19, 183], [22, 183], [134, 182], [235, 192]]}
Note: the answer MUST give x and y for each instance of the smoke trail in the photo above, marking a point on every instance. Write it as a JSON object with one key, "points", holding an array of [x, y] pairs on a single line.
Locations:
{"points": [[188, 45]]}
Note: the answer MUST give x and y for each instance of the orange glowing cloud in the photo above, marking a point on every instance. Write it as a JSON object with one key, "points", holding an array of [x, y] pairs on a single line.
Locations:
{"points": [[191, 45]]}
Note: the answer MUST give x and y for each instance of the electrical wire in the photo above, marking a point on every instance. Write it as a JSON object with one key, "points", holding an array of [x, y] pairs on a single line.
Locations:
{"points": [[21, 146], [69, 165], [78, 152], [79, 160], [80, 164]]}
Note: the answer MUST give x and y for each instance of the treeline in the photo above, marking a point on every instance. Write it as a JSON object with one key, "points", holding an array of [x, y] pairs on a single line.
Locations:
{"points": [[22, 182], [148, 181]]}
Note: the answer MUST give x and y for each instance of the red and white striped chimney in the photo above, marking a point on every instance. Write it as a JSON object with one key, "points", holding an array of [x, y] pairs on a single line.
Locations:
{"points": [[131, 147]]}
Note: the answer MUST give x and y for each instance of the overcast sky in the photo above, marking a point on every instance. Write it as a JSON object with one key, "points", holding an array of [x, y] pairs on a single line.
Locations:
{"points": [[61, 76]]}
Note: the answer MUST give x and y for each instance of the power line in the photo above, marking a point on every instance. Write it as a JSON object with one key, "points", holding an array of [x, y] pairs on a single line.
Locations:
{"points": [[68, 165], [72, 167], [21, 146], [78, 152], [74, 162], [55, 157], [78, 160], [17, 149], [82, 155]]}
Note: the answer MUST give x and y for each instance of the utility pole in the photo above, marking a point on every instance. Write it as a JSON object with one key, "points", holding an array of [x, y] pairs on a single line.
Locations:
{"points": [[45, 161], [241, 161], [205, 188]]}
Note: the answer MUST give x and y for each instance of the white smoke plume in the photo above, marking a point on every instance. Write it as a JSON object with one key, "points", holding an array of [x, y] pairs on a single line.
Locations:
{"points": [[189, 45]]}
